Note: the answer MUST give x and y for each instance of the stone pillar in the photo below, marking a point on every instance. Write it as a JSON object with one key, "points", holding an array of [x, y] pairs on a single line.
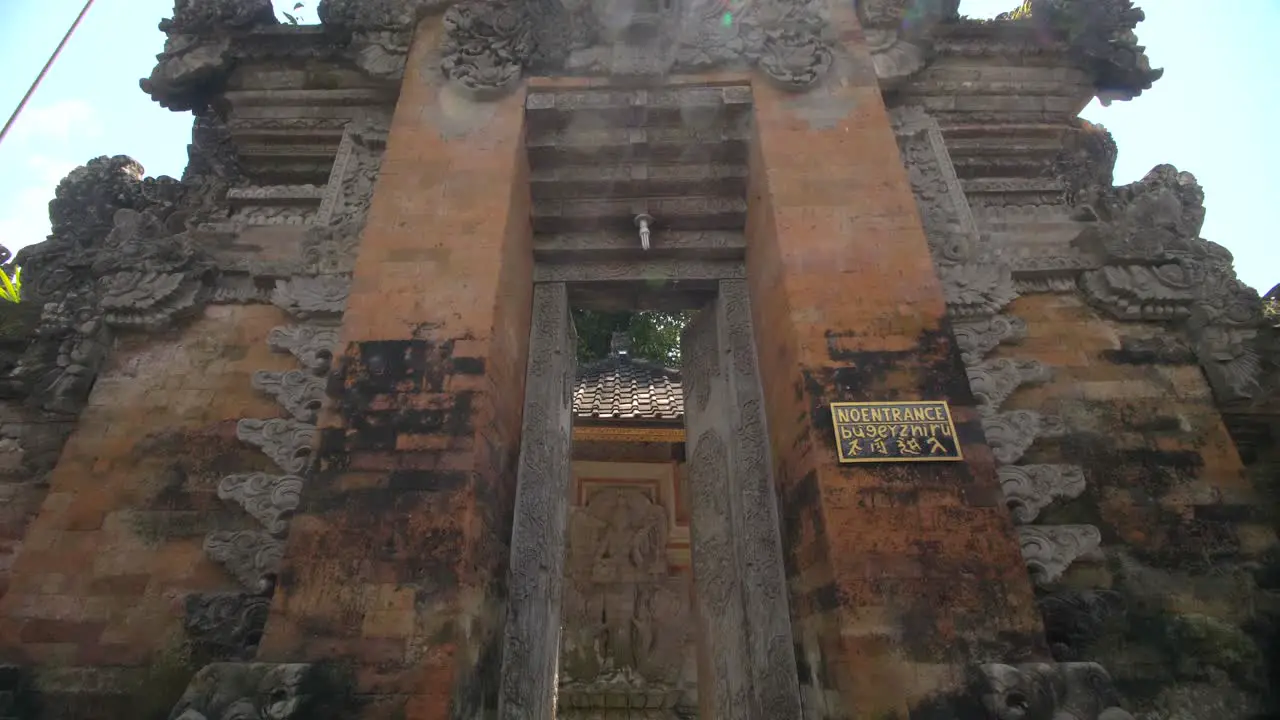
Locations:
{"points": [[745, 632], [395, 561], [898, 574], [531, 641]]}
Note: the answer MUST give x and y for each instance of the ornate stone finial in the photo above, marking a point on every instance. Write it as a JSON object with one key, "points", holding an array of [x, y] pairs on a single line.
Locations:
{"points": [[1100, 34], [1154, 266], [487, 45], [897, 33], [197, 55]]}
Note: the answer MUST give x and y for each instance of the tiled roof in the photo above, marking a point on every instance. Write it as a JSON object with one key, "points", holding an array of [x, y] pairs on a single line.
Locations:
{"points": [[627, 389]]}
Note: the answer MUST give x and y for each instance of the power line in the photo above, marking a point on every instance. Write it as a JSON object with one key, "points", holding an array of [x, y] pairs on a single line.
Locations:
{"points": [[45, 71]]}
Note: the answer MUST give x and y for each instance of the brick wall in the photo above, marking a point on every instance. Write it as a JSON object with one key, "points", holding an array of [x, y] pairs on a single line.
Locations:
{"points": [[117, 543], [396, 563], [898, 573]]}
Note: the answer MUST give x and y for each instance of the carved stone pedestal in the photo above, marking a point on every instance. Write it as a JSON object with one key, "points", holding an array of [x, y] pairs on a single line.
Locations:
{"points": [[1031, 691]]}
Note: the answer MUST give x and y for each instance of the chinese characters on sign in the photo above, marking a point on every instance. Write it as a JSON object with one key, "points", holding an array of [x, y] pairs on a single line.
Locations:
{"points": [[895, 432]]}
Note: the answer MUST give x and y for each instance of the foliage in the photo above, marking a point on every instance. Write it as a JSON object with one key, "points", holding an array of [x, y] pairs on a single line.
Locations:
{"points": [[11, 291], [654, 335]]}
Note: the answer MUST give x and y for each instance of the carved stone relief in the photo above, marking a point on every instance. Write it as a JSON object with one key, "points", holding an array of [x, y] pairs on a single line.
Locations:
{"points": [[226, 625], [306, 297], [976, 280], [1028, 489], [1011, 433], [269, 498], [287, 442], [1050, 549], [312, 344], [299, 392], [1049, 691], [249, 691], [978, 337], [252, 557], [993, 381], [900, 45], [626, 618]]}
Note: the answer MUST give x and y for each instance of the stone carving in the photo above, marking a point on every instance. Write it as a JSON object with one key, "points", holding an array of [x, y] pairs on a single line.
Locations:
{"points": [[350, 188], [1155, 267], [197, 54], [975, 279], [1048, 691], [312, 344], [536, 576], [1102, 41], [1010, 434], [287, 442], [305, 297], [298, 392], [1028, 489], [1075, 619], [252, 557], [1163, 349], [789, 42], [641, 270], [226, 625], [977, 337], [238, 290], [993, 381], [487, 44], [900, 44], [1050, 549], [271, 499], [260, 691], [626, 620]]}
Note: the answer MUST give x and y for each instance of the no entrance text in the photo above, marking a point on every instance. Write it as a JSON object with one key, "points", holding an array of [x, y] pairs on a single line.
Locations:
{"points": [[895, 432]]}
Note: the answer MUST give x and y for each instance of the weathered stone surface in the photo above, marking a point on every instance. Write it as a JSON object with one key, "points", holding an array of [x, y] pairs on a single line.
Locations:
{"points": [[251, 557], [1050, 549], [1028, 489], [313, 345], [269, 498], [226, 626], [288, 442], [1030, 691], [227, 691]]}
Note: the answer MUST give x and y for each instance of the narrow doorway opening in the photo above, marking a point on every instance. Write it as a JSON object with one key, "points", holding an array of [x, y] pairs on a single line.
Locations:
{"points": [[629, 635]]}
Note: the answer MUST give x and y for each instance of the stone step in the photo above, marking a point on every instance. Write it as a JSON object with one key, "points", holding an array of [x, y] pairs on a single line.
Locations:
{"points": [[705, 107], [618, 214], [651, 145], [638, 180]]}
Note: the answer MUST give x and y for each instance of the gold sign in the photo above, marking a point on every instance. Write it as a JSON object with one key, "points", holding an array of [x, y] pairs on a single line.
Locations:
{"points": [[895, 432]]}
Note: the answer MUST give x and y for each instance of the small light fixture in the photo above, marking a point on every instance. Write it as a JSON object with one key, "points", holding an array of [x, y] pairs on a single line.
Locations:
{"points": [[643, 220]]}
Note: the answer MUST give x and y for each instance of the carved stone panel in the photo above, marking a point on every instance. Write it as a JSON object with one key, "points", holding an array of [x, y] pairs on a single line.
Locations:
{"points": [[769, 641], [1028, 489], [532, 635], [737, 552], [720, 610], [626, 629], [1050, 549]]}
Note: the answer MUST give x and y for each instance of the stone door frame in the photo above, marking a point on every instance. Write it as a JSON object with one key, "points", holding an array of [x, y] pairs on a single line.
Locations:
{"points": [[747, 666]]}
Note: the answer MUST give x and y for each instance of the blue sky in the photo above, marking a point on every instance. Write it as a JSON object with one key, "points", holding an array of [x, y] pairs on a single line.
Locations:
{"points": [[1211, 114]]}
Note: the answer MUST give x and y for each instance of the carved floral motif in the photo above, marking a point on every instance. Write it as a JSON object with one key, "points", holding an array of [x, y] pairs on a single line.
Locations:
{"points": [[251, 691], [993, 381], [978, 337], [1010, 434], [305, 297], [226, 625], [299, 392], [1049, 691]]}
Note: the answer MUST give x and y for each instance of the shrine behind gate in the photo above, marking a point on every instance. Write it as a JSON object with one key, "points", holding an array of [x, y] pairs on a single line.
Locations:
{"points": [[304, 435]]}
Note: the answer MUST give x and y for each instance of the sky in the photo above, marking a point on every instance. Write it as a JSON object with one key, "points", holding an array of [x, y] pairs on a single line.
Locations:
{"points": [[1211, 114]]}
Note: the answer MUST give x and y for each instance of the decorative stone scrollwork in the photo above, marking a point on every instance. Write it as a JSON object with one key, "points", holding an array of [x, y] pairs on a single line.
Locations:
{"points": [[226, 625], [1010, 434], [298, 392], [287, 442], [978, 337], [312, 344], [1050, 549], [1028, 489], [271, 499], [305, 297], [487, 44], [1049, 691], [975, 279], [263, 691], [993, 381], [252, 557]]}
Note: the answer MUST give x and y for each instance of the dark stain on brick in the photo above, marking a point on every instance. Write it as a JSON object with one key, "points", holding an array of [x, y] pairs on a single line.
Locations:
{"points": [[427, 480], [468, 366], [476, 693]]}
